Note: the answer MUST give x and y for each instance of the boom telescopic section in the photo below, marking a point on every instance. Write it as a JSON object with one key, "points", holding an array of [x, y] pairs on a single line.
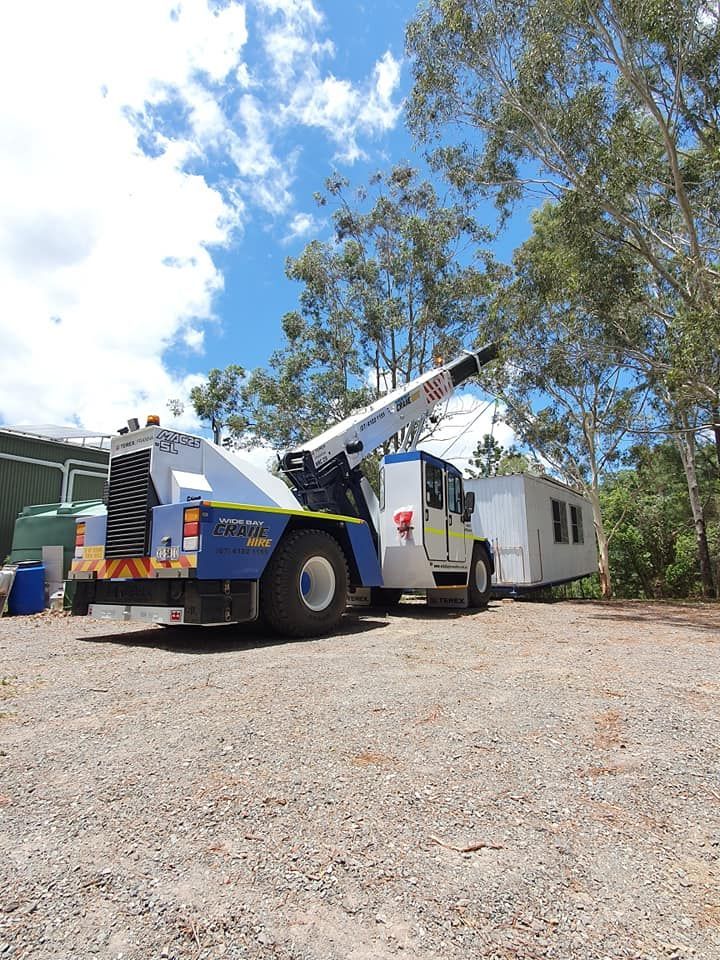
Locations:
{"points": [[324, 473]]}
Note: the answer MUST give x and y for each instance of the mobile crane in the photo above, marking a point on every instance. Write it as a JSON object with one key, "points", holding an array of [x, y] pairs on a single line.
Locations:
{"points": [[194, 535]]}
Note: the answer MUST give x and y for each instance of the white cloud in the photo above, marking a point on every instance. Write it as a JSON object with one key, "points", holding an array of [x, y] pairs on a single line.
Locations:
{"points": [[103, 248], [194, 338], [252, 153], [345, 111], [466, 419], [290, 39], [119, 123], [301, 225]]}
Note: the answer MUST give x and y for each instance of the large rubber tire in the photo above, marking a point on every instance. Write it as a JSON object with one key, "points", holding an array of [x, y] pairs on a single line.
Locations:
{"points": [[303, 591], [480, 579], [388, 597]]}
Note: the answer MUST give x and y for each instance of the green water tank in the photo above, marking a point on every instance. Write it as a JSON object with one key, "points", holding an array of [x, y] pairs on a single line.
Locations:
{"points": [[50, 524]]}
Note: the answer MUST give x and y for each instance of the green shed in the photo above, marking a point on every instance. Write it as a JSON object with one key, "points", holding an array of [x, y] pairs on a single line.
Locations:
{"points": [[47, 465]]}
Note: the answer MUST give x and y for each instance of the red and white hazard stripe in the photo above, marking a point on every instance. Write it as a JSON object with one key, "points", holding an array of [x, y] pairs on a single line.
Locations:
{"points": [[436, 388], [132, 568]]}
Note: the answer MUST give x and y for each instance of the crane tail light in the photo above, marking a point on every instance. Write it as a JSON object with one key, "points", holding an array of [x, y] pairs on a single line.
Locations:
{"points": [[191, 529], [79, 541]]}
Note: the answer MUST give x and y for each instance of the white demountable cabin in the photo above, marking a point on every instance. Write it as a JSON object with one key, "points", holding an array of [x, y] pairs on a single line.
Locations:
{"points": [[541, 531]]}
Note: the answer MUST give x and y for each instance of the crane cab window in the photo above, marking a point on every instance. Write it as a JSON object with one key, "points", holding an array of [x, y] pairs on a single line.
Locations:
{"points": [[433, 486], [455, 493]]}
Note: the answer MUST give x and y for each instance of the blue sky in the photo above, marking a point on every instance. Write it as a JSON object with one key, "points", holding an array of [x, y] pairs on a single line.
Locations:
{"points": [[157, 164]]}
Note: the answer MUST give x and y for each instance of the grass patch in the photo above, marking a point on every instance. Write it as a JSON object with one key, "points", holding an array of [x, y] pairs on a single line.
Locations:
{"points": [[7, 687]]}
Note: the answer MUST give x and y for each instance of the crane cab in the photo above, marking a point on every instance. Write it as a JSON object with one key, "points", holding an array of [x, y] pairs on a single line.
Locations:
{"points": [[426, 539]]}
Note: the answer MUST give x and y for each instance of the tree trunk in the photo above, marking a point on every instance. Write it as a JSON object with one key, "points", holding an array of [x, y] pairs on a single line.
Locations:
{"points": [[603, 546], [716, 431], [589, 428], [685, 443]]}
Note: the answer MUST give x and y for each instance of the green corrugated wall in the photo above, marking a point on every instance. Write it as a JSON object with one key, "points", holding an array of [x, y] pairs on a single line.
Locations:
{"points": [[27, 484]]}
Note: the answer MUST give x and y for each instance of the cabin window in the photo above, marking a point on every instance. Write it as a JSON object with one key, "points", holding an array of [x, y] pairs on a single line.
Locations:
{"points": [[433, 486], [576, 524], [560, 524], [455, 494]]}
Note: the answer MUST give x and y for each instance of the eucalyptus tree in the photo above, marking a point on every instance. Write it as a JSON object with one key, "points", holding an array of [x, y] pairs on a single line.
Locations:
{"points": [[569, 393], [653, 549], [613, 107], [218, 402], [569, 278], [402, 280], [685, 431]]}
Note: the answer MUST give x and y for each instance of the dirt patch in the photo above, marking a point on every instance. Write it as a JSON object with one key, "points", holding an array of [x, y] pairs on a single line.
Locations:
{"points": [[532, 781]]}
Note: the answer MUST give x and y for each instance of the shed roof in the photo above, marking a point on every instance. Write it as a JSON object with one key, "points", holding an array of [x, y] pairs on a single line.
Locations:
{"points": [[50, 431]]}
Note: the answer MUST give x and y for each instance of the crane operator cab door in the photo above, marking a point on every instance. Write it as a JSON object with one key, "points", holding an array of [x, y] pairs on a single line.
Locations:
{"points": [[435, 527], [446, 536], [459, 532]]}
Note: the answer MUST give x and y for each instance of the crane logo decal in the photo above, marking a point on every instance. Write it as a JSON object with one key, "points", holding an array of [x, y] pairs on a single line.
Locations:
{"points": [[406, 400], [255, 533], [168, 440]]}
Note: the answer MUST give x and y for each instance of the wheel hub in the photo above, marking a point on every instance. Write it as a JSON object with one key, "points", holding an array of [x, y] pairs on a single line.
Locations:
{"points": [[317, 583], [481, 576]]}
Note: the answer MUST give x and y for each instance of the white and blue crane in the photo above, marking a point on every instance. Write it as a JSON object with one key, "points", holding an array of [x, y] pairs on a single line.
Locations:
{"points": [[193, 534]]}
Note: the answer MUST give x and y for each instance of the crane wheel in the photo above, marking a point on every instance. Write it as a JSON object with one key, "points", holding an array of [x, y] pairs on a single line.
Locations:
{"points": [[480, 579], [303, 591]]}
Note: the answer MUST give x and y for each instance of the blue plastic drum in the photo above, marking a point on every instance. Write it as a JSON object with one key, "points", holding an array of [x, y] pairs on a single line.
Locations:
{"points": [[28, 591]]}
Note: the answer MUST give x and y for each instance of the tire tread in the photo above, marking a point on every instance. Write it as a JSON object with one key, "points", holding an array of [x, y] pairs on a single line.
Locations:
{"points": [[276, 597]]}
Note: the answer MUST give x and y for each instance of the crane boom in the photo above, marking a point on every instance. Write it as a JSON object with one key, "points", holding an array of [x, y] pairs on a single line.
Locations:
{"points": [[325, 469]]}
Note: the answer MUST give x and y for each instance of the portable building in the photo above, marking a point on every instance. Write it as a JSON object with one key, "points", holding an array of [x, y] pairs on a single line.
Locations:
{"points": [[541, 531]]}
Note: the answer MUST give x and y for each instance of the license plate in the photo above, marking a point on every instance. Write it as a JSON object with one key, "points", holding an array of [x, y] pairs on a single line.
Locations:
{"points": [[167, 553]]}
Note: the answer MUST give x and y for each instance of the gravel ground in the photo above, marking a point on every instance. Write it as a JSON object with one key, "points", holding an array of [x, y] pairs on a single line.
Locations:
{"points": [[526, 782]]}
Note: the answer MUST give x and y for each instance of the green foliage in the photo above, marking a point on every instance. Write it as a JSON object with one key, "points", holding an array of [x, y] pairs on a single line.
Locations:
{"points": [[569, 393], [610, 108], [218, 402], [403, 281], [491, 459], [313, 380], [588, 588], [653, 547]]}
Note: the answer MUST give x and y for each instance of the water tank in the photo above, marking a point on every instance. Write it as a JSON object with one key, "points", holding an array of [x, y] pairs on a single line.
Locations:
{"points": [[50, 524], [28, 590]]}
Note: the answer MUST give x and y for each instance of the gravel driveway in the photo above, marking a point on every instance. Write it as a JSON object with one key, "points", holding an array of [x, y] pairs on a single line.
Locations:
{"points": [[531, 781]]}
